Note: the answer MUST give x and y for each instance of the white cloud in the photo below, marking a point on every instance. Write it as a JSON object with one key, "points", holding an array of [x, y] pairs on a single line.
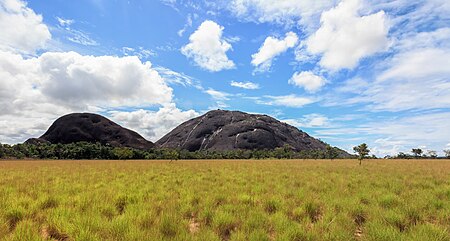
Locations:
{"points": [[64, 22], [271, 48], [431, 130], [173, 77], [345, 37], [354, 85], [140, 52], [417, 79], [420, 63], [80, 37], [308, 80], [186, 25], [415, 76], [207, 47], [74, 35], [232, 39], [286, 12], [34, 91], [416, 40], [389, 136], [22, 30], [409, 16], [310, 120], [245, 85], [285, 100], [218, 95], [153, 124], [75, 79]]}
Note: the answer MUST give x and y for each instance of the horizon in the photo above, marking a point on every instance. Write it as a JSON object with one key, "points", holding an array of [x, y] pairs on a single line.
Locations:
{"points": [[345, 72]]}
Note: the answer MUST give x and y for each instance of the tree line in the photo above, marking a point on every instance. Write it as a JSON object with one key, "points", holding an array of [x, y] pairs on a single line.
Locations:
{"points": [[417, 153], [86, 150]]}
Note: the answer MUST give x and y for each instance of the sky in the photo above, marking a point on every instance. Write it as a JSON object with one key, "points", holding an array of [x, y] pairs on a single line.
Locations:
{"points": [[346, 72]]}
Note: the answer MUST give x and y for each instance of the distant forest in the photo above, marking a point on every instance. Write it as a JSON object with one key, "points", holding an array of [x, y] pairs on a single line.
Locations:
{"points": [[97, 151], [86, 150]]}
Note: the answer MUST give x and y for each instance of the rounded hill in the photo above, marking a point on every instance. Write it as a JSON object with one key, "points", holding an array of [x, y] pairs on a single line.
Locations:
{"points": [[228, 130], [77, 127]]}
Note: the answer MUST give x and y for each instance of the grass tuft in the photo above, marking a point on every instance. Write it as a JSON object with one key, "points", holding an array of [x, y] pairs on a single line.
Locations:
{"points": [[313, 210], [49, 202], [168, 226], [271, 206], [13, 217], [224, 224], [359, 216], [121, 204]]}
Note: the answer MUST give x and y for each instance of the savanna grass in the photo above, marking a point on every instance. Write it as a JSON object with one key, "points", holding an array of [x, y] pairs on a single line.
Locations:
{"points": [[225, 200]]}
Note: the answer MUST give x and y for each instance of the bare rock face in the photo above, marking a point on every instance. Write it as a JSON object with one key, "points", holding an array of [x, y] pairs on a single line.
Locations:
{"points": [[228, 130], [36, 141], [93, 128]]}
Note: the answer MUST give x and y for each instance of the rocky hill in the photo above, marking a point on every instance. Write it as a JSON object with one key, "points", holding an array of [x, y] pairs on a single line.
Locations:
{"points": [[228, 130], [93, 128]]}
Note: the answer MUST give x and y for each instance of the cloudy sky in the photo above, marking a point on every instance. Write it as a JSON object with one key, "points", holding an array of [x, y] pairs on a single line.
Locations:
{"points": [[346, 72]]}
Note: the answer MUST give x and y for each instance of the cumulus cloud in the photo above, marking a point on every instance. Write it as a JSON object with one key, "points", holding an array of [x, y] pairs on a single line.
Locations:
{"points": [[307, 80], [34, 91], [271, 48], [285, 100], [22, 30], [245, 85], [208, 49], [72, 78], [345, 37], [153, 124]]}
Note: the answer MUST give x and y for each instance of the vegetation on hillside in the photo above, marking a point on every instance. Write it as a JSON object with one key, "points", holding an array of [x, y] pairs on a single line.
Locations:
{"points": [[85, 150]]}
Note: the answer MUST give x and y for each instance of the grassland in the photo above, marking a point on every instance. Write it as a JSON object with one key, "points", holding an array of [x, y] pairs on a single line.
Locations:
{"points": [[225, 200]]}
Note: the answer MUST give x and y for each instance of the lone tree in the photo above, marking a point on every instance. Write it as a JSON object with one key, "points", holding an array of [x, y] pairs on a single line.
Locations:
{"points": [[331, 152], [362, 151], [432, 154], [447, 153], [417, 152]]}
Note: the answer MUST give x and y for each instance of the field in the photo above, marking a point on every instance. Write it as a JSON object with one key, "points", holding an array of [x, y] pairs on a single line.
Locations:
{"points": [[225, 200]]}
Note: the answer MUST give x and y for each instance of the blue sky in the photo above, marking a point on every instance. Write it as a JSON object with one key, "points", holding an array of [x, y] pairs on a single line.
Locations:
{"points": [[346, 72]]}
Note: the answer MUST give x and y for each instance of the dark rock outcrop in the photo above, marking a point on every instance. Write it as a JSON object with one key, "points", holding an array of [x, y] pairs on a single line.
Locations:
{"points": [[92, 128], [36, 141], [228, 130]]}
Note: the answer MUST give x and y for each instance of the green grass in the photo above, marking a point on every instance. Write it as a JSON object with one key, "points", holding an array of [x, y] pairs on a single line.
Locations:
{"points": [[225, 200]]}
